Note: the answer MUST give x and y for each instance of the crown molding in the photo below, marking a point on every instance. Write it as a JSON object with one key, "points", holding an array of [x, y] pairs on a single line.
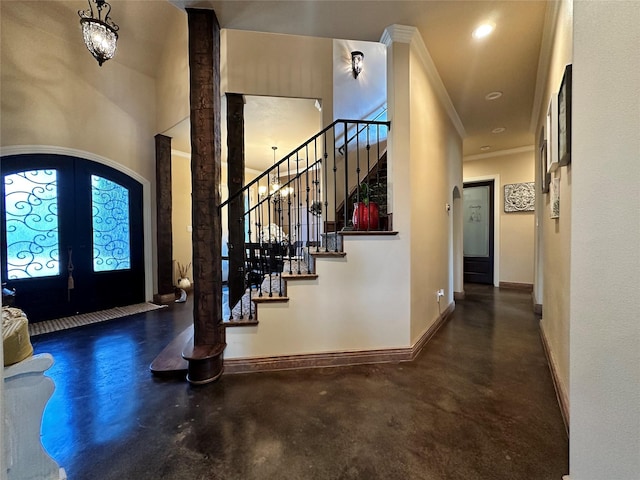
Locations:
{"points": [[499, 153], [411, 35], [399, 34]]}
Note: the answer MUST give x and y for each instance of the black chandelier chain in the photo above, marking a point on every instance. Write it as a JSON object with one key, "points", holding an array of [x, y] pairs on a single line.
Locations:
{"points": [[100, 5]]}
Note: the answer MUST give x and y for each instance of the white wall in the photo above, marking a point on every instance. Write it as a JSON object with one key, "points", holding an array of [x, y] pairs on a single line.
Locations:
{"points": [[605, 239], [363, 97], [348, 307]]}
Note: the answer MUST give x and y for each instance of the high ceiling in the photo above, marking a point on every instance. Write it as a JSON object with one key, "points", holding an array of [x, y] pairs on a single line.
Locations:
{"points": [[506, 61], [268, 121]]}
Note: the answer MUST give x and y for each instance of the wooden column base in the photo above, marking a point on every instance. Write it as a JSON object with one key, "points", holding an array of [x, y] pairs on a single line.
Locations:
{"points": [[164, 298], [205, 363]]}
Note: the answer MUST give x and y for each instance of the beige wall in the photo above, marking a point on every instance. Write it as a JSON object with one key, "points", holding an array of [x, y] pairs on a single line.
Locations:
{"points": [[434, 170], [55, 98], [252, 64], [172, 88], [424, 165], [279, 66], [54, 93], [517, 230], [555, 244], [181, 210]]}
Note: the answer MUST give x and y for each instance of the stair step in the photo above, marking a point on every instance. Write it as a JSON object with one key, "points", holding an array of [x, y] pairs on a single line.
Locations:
{"points": [[322, 254], [265, 298], [170, 361], [244, 322], [299, 276], [363, 233]]}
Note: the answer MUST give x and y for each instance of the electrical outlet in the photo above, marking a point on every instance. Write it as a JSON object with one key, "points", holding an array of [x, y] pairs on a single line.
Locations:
{"points": [[440, 293]]}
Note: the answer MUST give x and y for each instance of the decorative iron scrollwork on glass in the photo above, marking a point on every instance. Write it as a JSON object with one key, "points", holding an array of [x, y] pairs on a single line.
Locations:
{"points": [[31, 203], [111, 232]]}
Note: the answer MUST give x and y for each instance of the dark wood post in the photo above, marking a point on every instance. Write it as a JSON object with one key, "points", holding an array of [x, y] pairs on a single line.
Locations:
{"points": [[205, 355], [166, 291], [235, 181]]}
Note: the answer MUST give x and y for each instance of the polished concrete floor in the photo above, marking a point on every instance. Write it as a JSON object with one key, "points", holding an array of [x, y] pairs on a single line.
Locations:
{"points": [[478, 403]]}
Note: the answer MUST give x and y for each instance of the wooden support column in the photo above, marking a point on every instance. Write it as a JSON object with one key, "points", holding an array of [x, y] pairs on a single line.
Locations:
{"points": [[164, 236], [235, 182], [205, 354]]}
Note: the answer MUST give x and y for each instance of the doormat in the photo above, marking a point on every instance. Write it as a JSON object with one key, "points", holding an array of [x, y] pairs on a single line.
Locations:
{"points": [[48, 326]]}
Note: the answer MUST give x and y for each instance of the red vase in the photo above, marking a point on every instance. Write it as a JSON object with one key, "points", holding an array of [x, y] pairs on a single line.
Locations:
{"points": [[365, 217]]}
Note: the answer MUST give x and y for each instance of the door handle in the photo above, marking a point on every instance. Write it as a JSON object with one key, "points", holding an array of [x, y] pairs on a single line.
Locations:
{"points": [[70, 282]]}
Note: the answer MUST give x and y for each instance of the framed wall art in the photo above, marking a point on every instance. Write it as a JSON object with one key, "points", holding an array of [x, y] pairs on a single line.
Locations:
{"points": [[545, 177], [554, 203], [564, 118], [519, 197], [552, 134]]}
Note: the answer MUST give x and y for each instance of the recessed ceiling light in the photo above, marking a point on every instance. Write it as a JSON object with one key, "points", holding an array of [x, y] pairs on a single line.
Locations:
{"points": [[498, 130], [493, 95], [484, 148], [483, 30]]}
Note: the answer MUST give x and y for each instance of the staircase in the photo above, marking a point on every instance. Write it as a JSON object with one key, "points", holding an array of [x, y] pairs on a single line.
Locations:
{"points": [[376, 179], [295, 212]]}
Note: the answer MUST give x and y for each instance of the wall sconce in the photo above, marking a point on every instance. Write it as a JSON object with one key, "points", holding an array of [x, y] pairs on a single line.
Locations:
{"points": [[100, 33], [357, 59]]}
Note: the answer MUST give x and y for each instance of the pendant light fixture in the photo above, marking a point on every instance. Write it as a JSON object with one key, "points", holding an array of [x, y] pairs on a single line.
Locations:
{"points": [[99, 31], [275, 181]]}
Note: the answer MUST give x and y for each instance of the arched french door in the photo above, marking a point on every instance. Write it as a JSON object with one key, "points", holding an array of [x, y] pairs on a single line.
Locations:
{"points": [[72, 235]]}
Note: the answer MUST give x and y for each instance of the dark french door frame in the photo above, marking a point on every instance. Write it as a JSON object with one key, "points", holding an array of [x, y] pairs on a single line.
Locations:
{"points": [[496, 220], [146, 196]]}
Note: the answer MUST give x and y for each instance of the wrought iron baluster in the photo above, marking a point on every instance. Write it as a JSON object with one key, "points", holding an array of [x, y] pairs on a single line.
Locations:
{"points": [[307, 190], [346, 177], [287, 252], [378, 159], [299, 209], [247, 282], [278, 257], [368, 180], [269, 201], [325, 174], [317, 196], [318, 201]]}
